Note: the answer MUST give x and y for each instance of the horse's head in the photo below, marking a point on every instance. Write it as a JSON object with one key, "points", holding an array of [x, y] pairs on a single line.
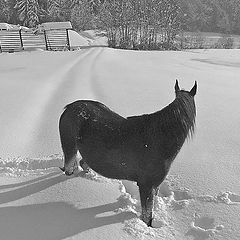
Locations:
{"points": [[191, 93]]}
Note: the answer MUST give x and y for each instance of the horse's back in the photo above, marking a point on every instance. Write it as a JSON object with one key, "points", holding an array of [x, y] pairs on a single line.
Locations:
{"points": [[93, 110], [93, 122]]}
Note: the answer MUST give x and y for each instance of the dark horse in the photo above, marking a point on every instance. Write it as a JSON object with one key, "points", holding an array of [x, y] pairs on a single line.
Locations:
{"points": [[138, 148]]}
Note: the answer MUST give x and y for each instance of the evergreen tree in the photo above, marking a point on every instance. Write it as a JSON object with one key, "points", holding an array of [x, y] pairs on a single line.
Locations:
{"points": [[82, 16], [148, 15], [236, 17], [4, 13], [29, 12], [59, 10], [95, 5]]}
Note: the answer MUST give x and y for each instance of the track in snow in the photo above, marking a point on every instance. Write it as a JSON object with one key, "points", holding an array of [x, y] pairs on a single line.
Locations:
{"points": [[33, 129]]}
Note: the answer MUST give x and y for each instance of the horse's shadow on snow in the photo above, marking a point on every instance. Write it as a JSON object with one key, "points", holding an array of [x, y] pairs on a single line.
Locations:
{"points": [[52, 220]]}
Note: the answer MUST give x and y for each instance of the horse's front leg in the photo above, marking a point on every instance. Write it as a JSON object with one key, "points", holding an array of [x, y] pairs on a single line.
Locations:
{"points": [[146, 195]]}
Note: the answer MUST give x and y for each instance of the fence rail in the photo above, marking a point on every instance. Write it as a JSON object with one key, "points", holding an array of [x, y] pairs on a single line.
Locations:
{"points": [[10, 41], [18, 40], [57, 39], [31, 40]]}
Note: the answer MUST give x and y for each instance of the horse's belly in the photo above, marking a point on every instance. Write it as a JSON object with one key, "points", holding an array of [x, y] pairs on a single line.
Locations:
{"points": [[111, 163]]}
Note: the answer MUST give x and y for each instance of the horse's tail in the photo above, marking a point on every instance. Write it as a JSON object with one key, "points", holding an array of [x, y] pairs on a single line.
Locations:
{"points": [[68, 136]]}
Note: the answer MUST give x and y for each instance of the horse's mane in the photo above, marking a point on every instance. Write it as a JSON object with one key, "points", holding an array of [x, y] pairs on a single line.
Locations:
{"points": [[178, 118]]}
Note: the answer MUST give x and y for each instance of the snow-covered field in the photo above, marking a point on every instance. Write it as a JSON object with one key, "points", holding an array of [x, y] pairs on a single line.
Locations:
{"points": [[200, 199]]}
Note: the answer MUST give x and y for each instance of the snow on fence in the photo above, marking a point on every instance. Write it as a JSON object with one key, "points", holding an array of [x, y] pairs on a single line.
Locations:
{"points": [[16, 38]]}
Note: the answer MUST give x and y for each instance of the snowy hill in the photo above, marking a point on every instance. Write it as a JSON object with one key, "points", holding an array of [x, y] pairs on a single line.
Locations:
{"points": [[200, 198]]}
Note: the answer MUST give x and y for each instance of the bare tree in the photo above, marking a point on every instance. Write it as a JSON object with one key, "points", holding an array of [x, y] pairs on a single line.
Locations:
{"points": [[140, 24]]}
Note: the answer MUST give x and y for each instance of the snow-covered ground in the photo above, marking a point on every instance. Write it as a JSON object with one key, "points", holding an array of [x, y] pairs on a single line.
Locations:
{"points": [[200, 199]]}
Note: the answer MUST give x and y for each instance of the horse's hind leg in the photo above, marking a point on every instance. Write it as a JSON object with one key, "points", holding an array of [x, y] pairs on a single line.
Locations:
{"points": [[69, 147], [70, 163], [146, 195]]}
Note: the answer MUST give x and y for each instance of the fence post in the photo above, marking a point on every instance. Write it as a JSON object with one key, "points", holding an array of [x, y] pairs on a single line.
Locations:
{"points": [[45, 37], [21, 41], [68, 42]]}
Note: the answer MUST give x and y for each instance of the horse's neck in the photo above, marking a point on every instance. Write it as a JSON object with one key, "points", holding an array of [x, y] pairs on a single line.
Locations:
{"points": [[172, 121]]}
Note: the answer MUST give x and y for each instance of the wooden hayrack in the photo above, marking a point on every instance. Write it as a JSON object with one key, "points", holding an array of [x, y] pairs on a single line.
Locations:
{"points": [[56, 35], [16, 38]]}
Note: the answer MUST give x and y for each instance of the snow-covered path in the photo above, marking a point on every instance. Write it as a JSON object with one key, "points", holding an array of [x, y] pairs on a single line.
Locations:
{"points": [[31, 119], [36, 86], [202, 191]]}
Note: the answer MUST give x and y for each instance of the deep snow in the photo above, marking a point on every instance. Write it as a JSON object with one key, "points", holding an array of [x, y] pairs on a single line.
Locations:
{"points": [[200, 199]]}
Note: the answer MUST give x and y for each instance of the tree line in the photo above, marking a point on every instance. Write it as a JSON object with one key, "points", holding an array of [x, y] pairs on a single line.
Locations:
{"points": [[130, 24], [30, 13], [196, 15], [221, 16]]}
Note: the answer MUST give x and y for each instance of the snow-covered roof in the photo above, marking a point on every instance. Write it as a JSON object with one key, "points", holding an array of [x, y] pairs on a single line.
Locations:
{"points": [[12, 27], [7, 26], [55, 25]]}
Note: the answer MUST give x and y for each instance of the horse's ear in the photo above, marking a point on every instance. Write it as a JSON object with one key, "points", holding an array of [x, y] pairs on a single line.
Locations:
{"points": [[177, 86], [194, 89]]}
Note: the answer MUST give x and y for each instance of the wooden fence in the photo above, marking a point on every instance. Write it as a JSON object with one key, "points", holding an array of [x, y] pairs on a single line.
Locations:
{"points": [[18, 40], [49, 38], [10, 41], [57, 39]]}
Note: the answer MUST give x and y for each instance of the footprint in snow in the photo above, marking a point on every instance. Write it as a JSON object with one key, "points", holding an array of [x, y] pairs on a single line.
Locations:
{"points": [[203, 228], [224, 197], [178, 199], [229, 198]]}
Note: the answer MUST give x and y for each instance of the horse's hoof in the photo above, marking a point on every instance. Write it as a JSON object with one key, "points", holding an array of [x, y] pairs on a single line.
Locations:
{"points": [[147, 221], [149, 224], [66, 172], [77, 171]]}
